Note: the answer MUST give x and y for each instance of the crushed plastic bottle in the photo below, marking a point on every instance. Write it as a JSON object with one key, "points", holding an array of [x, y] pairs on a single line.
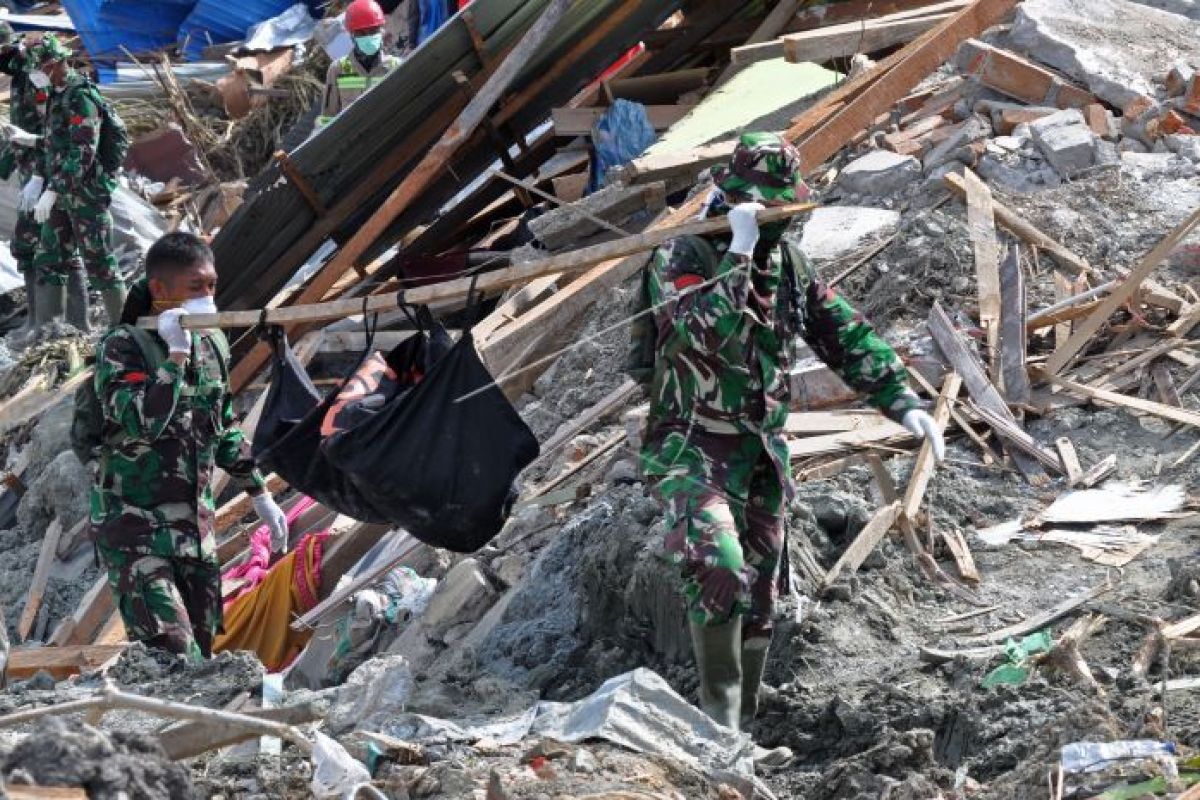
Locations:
{"points": [[1094, 756]]}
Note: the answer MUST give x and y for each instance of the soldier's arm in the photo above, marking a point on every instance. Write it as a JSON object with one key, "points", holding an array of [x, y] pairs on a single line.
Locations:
{"points": [[844, 340], [72, 152], [140, 402], [706, 312], [233, 451]]}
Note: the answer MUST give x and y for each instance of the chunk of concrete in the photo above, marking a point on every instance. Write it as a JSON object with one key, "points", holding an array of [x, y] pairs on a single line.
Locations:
{"points": [[832, 232], [1117, 48], [1066, 141], [1187, 146], [879, 172], [462, 596], [972, 130], [1156, 165]]}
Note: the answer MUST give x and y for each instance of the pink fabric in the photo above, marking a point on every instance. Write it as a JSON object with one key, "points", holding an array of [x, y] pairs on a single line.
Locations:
{"points": [[253, 570]]}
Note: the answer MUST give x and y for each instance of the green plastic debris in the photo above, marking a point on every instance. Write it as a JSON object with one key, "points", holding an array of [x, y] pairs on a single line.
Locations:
{"points": [[1156, 786], [1015, 671]]}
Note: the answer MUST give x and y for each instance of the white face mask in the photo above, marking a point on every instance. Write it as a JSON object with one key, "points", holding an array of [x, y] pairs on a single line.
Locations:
{"points": [[200, 305], [39, 79]]}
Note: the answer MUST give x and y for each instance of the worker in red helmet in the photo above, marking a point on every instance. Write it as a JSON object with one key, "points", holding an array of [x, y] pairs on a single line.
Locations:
{"points": [[350, 76]]}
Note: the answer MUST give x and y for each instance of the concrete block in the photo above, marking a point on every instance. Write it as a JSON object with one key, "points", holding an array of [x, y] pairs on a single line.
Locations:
{"points": [[1066, 141], [835, 231], [462, 596], [1107, 153], [879, 172], [1156, 165], [1187, 146]]}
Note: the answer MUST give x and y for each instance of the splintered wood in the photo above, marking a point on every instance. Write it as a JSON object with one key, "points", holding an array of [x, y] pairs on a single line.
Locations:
{"points": [[981, 222]]}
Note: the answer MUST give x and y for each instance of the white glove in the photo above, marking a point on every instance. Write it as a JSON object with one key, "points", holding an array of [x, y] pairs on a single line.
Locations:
{"points": [[922, 426], [45, 204], [273, 517], [30, 193], [20, 136], [743, 221], [169, 328]]}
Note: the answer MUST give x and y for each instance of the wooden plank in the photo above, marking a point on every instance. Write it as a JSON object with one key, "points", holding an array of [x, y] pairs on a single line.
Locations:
{"points": [[962, 422], [573, 261], [1099, 471], [771, 26], [1038, 621], [838, 13], [669, 166], [981, 223], [964, 562], [61, 662], [1017, 77], [1125, 401], [16, 791], [580, 121], [1119, 295], [614, 400], [1165, 385], [923, 468], [113, 631], [801, 423], [1183, 627], [603, 448], [918, 60], [965, 363], [1014, 435], [41, 572], [240, 506], [661, 89], [883, 479], [1013, 344], [809, 446], [1017, 225], [1064, 290], [93, 610], [841, 41], [863, 545], [35, 397], [1070, 459], [1184, 324]]}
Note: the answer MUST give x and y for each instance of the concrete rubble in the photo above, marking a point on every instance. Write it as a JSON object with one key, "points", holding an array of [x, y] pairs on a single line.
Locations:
{"points": [[556, 661]]}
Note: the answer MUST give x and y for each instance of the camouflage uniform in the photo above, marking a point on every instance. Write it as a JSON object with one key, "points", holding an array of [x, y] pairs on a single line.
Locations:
{"points": [[720, 394], [80, 223], [151, 505], [27, 110]]}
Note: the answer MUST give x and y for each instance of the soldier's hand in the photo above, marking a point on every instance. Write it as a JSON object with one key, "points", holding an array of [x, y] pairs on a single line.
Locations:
{"points": [[44, 205], [923, 426], [276, 521], [30, 193], [743, 222], [172, 332]]}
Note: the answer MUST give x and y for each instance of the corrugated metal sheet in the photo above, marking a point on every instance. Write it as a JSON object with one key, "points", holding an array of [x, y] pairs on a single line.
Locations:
{"points": [[275, 230], [219, 21], [108, 25]]}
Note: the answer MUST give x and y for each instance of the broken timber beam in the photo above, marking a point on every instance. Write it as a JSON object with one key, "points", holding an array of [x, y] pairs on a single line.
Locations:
{"points": [[422, 175], [1120, 294], [918, 59], [1013, 341], [965, 363], [195, 738], [862, 546], [841, 41], [1039, 621], [489, 282], [1016, 77], [61, 662], [981, 222], [41, 572], [775, 23], [1163, 410], [924, 466]]}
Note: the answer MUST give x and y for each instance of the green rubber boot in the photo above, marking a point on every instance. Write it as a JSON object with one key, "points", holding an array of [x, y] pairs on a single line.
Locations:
{"points": [[113, 298], [49, 303], [718, 651], [77, 301], [30, 300]]}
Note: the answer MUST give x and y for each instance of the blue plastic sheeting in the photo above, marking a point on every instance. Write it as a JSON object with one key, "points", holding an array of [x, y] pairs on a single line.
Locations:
{"points": [[621, 135], [433, 16], [219, 21], [108, 25]]}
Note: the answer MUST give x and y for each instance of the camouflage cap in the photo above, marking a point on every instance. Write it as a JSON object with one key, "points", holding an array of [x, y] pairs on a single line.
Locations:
{"points": [[765, 168], [49, 49]]}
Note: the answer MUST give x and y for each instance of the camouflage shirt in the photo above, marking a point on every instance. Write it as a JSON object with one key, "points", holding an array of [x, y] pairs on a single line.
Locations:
{"points": [[73, 126], [27, 110], [722, 354], [164, 432]]}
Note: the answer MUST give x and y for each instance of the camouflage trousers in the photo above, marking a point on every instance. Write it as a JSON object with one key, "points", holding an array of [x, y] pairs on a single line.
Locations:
{"points": [[77, 229], [170, 603], [724, 502], [24, 243]]}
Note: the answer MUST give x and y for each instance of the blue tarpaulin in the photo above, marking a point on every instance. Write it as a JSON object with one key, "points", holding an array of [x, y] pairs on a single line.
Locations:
{"points": [[108, 25], [621, 135], [219, 21]]}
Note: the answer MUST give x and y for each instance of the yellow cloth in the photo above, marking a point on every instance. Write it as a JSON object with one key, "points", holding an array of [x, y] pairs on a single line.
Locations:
{"points": [[260, 620]]}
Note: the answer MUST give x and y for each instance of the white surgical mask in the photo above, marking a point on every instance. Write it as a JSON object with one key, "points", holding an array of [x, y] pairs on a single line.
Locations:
{"points": [[200, 305], [39, 79]]}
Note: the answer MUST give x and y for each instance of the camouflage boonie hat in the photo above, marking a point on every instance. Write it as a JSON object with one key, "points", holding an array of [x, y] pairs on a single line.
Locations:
{"points": [[50, 48], [765, 168]]}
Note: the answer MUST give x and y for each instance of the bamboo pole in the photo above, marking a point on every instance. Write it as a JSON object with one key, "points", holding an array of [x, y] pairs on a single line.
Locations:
{"points": [[490, 282]]}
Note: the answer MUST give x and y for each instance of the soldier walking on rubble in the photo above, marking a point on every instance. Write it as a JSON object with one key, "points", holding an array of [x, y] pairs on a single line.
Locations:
{"points": [[167, 421], [30, 94], [82, 150], [352, 75], [727, 309]]}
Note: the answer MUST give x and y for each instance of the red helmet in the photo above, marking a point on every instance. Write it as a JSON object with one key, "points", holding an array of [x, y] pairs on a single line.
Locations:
{"points": [[363, 15]]}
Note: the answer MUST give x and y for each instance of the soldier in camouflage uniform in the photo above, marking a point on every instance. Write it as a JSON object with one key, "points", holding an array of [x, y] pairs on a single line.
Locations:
{"points": [[74, 207], [164, 430], [726, 312]]}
